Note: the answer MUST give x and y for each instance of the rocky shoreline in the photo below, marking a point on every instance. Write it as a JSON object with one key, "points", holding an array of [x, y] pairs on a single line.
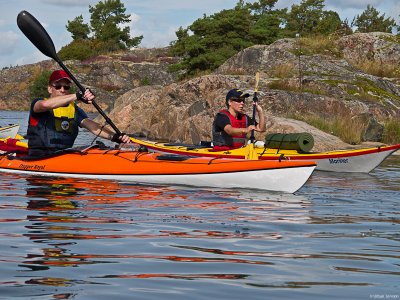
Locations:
{"points": [[141, 96]]}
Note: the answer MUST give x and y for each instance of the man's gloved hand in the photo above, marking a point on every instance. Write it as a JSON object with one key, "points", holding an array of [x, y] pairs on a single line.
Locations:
{"points": [[83, 96], [123, 138], [116, 138]]}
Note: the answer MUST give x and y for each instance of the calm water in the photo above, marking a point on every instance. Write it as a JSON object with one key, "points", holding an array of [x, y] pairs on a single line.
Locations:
{"points": [[337, 238]]}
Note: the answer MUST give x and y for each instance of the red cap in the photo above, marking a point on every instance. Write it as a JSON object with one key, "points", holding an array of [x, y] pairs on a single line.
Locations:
{"points": [[58, 75]]}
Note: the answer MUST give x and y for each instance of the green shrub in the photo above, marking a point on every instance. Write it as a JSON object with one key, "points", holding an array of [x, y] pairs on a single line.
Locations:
{"points": [[79, 49], [283, 71], [348, 129], [391, 134], [283, 85], [324, 45], [378, 68], [38, 88], [145, 81]]}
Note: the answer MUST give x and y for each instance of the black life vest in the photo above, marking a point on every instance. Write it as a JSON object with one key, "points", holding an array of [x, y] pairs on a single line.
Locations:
{"points": [[52, 130], [224, 140]]}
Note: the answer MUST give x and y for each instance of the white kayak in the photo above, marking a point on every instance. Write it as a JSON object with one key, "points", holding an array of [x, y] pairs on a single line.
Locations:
{"points": [[343, 161], [9, 131]]}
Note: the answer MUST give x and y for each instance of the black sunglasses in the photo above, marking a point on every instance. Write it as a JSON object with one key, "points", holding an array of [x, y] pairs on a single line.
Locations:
{"points": [[238, 100], [59, 86]]}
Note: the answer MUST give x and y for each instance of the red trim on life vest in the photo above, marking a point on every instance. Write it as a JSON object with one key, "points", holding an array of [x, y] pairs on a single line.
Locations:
{"points": [[33, 121]]}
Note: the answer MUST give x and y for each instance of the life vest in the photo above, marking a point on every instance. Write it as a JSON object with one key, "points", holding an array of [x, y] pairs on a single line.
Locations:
{"points": [[222, 140], [52, 130], [64, 118]]}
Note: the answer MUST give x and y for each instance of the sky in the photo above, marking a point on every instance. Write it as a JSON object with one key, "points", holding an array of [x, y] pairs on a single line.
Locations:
{"points": [[156, 20]]}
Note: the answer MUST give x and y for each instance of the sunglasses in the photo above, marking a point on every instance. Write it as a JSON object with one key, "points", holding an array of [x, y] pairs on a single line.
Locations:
{"points": [[238, 100], [59, 86]]}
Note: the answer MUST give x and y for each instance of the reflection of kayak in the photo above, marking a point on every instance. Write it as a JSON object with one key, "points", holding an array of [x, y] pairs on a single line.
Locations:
{"points": [[354, 160], [9, 131], [154, 168]]}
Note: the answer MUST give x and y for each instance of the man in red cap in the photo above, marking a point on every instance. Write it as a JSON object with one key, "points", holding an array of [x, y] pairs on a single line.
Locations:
{"points": [[231, 125], [54, 122]]}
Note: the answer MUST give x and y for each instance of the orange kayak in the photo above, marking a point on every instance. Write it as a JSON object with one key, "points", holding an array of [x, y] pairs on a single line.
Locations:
{"points": [[155, 168]]}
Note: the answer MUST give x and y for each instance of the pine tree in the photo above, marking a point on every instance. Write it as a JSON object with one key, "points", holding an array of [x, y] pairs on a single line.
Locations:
{"points": [[106, 32], [370, 21]]}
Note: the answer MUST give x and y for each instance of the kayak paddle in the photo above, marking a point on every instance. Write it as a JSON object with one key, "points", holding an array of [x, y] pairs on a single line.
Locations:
{"points": [[35, 32], [250, 147], [255, 99]]}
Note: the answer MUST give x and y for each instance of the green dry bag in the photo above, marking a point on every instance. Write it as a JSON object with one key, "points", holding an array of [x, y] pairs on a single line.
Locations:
{"points": [[302, 141]]}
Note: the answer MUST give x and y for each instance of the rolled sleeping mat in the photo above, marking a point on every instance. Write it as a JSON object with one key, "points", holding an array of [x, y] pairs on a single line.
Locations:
{"points": [[302, 141]]}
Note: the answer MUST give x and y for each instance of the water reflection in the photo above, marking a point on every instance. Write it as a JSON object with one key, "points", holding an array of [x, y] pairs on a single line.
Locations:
{"points": [[50, 194], [64, 212], [72, 235], [62, 208], [68, 239]]}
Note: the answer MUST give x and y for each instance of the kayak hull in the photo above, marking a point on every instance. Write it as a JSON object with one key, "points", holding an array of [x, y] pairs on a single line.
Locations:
{"points": [[361, 163], [228, 180], [343, 161], [153, 168]]}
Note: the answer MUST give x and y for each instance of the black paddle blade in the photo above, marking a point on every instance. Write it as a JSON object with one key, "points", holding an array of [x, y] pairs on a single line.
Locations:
{"points": [[35, 32]]}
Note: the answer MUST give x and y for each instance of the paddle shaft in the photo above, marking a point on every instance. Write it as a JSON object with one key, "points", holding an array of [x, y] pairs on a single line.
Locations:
{"points": [[255, 99], [35, 32], [101, 112]]}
